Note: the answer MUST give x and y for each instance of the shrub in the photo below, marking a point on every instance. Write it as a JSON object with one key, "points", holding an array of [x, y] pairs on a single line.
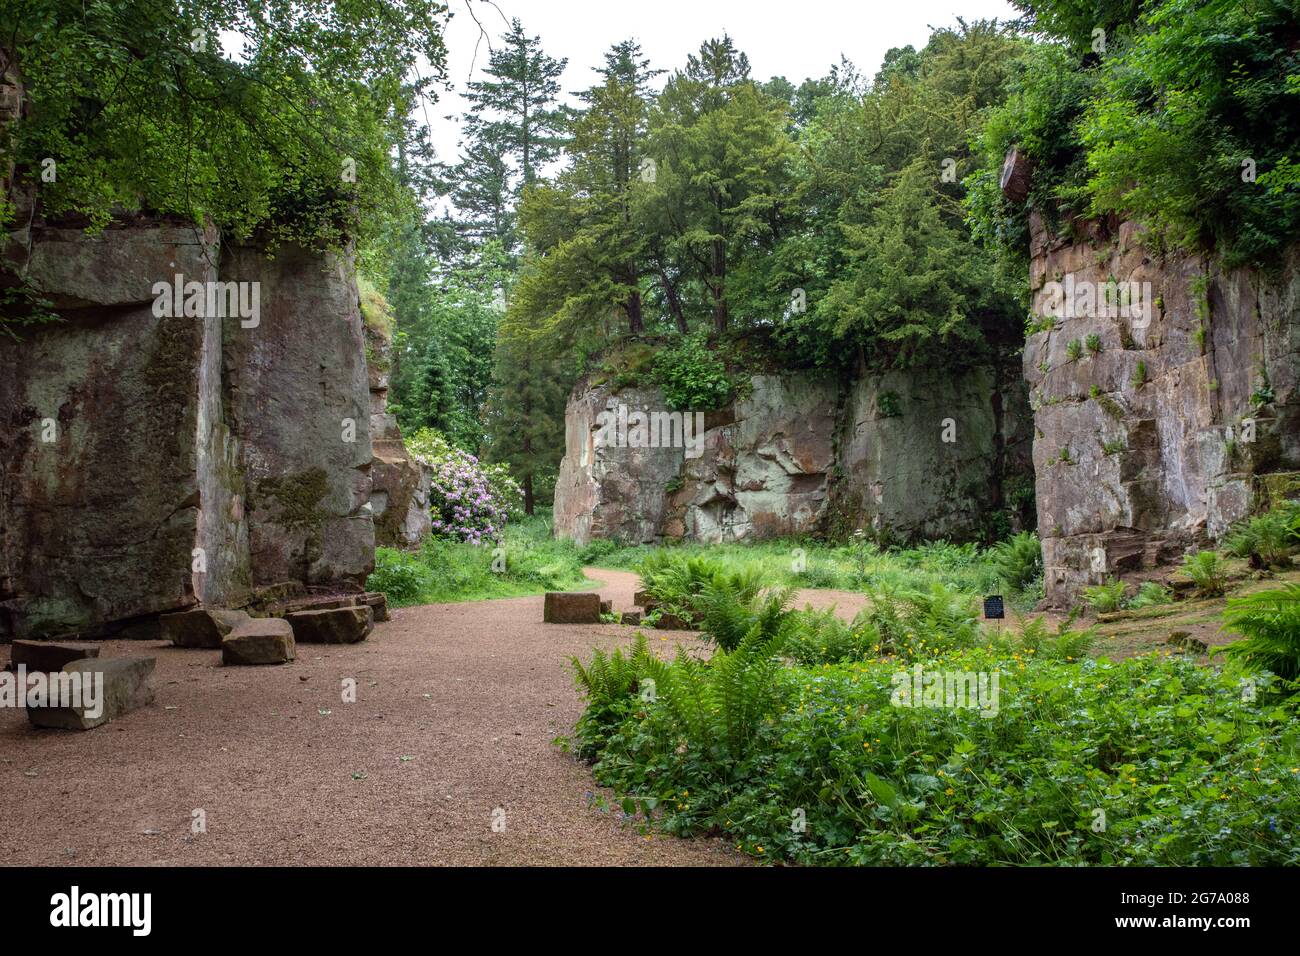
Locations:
{"points": [[1065, 645], [1207, 572], [1019, 560], [678, 582], [1105, 597], [399, 574], [612, 684], [468, 501], [692, 376], [821, 637]]}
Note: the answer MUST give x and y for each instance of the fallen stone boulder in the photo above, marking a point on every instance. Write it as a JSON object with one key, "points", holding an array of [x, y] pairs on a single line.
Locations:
{"points": [[125, 687], [200, 627], [671, 622], [49, 655], [316, 602], [630, 617], [642, 599], [266, 640], [571, 608], [343, 625], [377, 601]]}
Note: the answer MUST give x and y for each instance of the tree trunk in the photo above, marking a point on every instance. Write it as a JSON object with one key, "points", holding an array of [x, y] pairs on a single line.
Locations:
{"points": [[674, 303], [528, 494], [635, 323], [718, 287]]}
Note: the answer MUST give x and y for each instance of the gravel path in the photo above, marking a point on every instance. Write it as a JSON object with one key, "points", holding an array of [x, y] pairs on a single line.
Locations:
{"points": [[473, 694]]}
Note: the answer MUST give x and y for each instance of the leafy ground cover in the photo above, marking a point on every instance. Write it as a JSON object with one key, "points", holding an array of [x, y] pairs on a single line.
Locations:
{"points": [[810, 740]]}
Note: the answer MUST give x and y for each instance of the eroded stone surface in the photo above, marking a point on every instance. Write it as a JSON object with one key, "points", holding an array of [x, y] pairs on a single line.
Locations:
{"points": [[125, 688], [907, 455], [1140, 451], [266, 640], [561, 607], [343, 625], [201, 627], [49, 655]]}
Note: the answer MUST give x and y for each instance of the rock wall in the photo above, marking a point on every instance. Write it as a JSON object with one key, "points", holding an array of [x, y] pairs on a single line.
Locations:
{"points": [[1158, 433], [399, 493], [153, 462], [908, 456], [299, 402]]}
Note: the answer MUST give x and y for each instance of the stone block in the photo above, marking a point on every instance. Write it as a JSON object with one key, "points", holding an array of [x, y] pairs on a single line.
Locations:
{"points": [[571, 608]]}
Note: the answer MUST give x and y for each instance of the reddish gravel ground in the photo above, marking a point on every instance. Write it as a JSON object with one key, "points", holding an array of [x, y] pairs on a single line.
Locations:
{"points": [[472, 693]]}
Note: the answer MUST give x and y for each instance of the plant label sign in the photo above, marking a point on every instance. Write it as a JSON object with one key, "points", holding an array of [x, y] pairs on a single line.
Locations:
{"points": [[993, 608]]}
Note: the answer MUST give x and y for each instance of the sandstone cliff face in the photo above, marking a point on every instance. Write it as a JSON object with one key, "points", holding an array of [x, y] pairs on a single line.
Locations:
{"points": [[1165, 431], [399, 492], [150, 463], [906, 456]]}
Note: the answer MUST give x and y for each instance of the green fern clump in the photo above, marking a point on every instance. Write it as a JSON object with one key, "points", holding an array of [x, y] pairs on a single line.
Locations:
{"points": [[820, 637], [728, 609], [1266, 540], [612, 684], [1270, 623], [1018, 560], [679, 582], [917, 623], [1065, 644], [1150, 594], [1207, 571], [1105, 597]]}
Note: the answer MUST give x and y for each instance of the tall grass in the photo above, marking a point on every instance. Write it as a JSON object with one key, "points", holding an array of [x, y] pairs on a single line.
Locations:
{"points": [[445, 571]]}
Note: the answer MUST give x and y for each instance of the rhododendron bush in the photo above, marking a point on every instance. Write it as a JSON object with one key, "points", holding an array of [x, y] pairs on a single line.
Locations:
{"points": [[468, 500]]}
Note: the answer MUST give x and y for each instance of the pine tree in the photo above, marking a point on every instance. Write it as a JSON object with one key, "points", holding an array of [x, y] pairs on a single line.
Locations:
{"points": [[513, 130], [525, 416]]}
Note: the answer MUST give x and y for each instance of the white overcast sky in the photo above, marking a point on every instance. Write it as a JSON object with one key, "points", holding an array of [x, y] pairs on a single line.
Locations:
{"points": [[791, 38]]}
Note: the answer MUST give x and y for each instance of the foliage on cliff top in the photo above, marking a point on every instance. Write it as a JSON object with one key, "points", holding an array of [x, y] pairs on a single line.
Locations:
{"points": [[138, 106], [1181, 114]]}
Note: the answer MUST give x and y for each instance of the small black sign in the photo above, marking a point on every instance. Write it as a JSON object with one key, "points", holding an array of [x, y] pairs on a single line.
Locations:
{"points": [[993, 609]]}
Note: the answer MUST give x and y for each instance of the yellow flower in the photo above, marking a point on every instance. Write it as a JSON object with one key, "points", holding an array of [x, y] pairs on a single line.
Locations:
{"points": [[950, 791]]}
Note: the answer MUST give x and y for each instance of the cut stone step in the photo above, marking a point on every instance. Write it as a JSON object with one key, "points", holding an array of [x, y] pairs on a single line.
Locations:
{"points": [[266, 640], [606, 607], [125, 686], [377, 601], [630, 617], [343, 625], [49, 655], [201, 627], [322, 602], [563, 607]]}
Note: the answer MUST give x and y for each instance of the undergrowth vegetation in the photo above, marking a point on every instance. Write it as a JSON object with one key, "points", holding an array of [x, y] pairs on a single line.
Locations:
{"points": [[813, 740], [529, 562]]}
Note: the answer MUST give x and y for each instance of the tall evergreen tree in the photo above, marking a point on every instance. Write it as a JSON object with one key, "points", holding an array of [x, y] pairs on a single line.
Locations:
{"points": [[514, 129]]}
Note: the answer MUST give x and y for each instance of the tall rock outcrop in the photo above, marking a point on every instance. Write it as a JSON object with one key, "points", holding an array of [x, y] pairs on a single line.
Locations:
{"points": [[151, 459], [903, 455], [1155, 430], [399, 482]]}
